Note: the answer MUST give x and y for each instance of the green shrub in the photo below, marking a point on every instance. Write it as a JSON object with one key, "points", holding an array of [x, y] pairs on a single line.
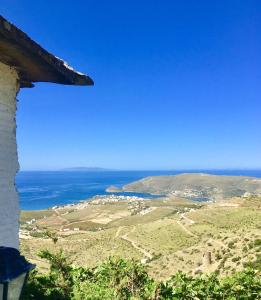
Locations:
{"points": [[119, 279], [231, 245], [115, 278], [242, 285], [235, 259], [256, 264], [218, 256], [245, 249]]}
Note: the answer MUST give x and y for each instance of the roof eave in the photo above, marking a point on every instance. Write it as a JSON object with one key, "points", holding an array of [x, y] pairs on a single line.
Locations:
{"points": [[32, 62]]}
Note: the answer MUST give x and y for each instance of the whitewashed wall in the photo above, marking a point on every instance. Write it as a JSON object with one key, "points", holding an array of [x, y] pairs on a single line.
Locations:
{"points": [[9, 203]]}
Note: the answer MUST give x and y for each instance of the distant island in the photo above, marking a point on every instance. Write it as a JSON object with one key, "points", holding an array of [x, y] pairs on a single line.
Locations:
{"points": [[86, 169]]}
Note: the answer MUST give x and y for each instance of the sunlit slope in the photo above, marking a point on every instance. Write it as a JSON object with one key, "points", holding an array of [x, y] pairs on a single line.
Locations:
{"points": [[212, 187], [175, 235]]}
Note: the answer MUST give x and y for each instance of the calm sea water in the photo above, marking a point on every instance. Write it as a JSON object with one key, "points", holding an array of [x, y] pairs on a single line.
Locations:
{"points": [[40, 190]]}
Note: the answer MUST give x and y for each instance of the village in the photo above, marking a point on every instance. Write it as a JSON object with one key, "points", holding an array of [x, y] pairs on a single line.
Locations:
{"points": [[134, 205], [193, 194]]}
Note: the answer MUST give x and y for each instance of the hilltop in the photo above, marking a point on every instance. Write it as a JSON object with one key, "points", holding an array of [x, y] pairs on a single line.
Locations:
{"points": [[197, 186]]}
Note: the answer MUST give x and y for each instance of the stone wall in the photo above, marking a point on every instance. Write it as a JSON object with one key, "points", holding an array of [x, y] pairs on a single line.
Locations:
{"points": [[9, 202]]}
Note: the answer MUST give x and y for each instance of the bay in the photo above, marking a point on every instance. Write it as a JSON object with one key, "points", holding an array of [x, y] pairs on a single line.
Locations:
{"points": [[44, 189]]}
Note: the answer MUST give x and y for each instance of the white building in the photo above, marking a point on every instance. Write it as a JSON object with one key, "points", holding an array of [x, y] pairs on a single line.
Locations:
{"points": [[22, 62]]}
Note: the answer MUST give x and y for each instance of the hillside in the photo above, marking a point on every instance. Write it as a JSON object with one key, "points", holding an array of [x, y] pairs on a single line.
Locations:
{"points": [[197, 186], [167, 234]]}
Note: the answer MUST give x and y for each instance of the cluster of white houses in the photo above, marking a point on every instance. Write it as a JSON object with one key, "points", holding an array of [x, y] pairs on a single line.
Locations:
{"points": [[22, 62]]}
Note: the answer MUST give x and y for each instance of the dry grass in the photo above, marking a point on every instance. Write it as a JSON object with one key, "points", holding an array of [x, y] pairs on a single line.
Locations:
{"points": [[230, 233]]}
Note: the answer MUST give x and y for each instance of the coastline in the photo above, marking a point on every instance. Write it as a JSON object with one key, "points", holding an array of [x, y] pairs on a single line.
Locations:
{"points": [[43, 189]]}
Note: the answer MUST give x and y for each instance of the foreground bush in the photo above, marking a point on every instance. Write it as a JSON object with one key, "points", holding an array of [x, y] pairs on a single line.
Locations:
{"points": [[242, 285], [119, 279]]}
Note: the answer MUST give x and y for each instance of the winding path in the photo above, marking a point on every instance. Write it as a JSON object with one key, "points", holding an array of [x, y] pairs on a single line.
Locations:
{"points": [[125, 237], [189, 221], [118, 232], [186, 229]]}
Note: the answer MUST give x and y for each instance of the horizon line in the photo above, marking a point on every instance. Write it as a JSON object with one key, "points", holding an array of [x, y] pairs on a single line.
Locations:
{"points": [[153, 169]]}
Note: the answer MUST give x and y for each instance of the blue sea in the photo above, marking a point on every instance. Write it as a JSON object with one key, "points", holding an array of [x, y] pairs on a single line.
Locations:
{"points": [[44, 189]]}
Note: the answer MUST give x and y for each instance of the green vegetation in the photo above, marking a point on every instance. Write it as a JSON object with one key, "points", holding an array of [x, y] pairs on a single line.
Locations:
{"points": [[241, 285], [256, 264], [174, 235], [109, 254], [119, 279]]}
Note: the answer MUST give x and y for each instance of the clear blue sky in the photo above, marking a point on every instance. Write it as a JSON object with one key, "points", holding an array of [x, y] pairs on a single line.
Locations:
{"points": [[177, 84]]}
